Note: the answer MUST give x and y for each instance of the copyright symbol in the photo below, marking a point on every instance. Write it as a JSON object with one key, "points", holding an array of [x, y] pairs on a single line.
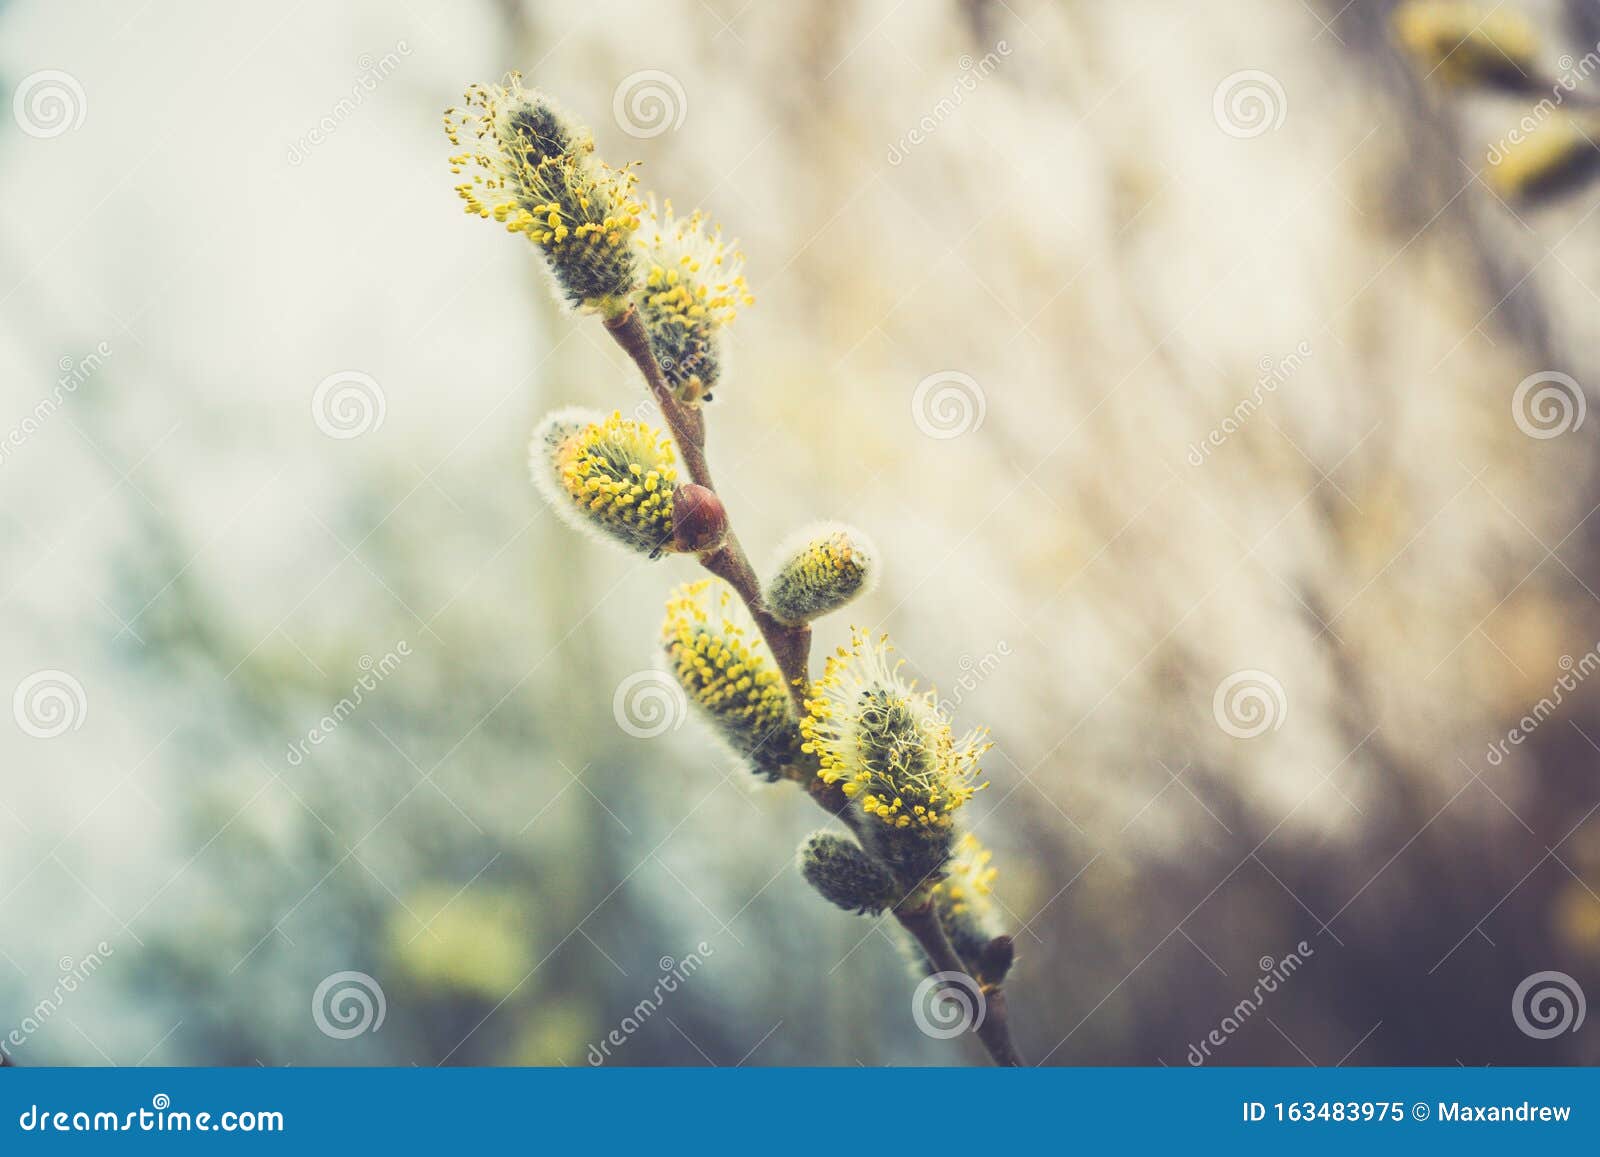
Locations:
{"points": [[1419, 1111]]}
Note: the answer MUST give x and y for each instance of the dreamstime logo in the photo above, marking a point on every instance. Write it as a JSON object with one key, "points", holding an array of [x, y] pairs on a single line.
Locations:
{"points": [[973, 672], [49, 103], [649, 103], [155, 1119], [1274, 975], [373, 672], [1574, 672], [1273, 375], [1573, 72], [348, 1004], [673, 974], [1249, 103], [966, 81], [648, 704], [1249, 703], [49, 703], [1548, 404], [73, 975], [74, 373], [947, 1004], [1548, 1004], [348, 404], [374, 71], [948, 404]]}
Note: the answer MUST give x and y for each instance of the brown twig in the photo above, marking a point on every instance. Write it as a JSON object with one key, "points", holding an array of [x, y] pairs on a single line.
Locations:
{"points": [[993, 1022], [790, 645], [791, 649], [687, 423]]}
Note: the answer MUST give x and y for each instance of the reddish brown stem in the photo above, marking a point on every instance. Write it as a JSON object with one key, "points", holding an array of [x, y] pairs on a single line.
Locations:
{"points": [[686, 422], [992, 1017], [790, 645]]}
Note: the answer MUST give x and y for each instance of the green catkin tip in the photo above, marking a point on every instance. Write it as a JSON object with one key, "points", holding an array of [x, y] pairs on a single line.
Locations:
{"points": [[819, 570], [845, 875]]}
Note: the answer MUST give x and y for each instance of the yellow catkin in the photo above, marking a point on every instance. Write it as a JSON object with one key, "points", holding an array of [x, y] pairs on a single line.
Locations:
{"points": [[820, 571], [533, 171], [691, 277], [693, 286], [724, 667], [968, 887], [611, 474], [890, 748]]}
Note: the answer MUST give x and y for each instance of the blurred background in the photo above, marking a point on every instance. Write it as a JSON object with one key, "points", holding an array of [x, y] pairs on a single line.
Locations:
{"points": [[1175, 355]]}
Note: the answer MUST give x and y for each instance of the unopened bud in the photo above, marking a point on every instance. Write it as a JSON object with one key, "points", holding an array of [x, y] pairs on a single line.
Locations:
{"points": [[699, 521], [819, 570], [996, 959], [846, 875]]}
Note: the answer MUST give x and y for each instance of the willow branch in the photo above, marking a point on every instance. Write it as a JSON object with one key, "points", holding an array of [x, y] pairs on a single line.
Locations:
{"points": [[994, 1027], [686, 422], [790, 645]]}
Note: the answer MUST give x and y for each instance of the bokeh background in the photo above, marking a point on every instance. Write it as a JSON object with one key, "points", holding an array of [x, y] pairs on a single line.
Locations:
{"points": [[1094, 248]]}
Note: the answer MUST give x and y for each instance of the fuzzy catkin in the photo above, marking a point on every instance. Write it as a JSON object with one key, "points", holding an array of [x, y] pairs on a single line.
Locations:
{"points": [[533, 169], [845, 875], [723, 665], [820, 570]]}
